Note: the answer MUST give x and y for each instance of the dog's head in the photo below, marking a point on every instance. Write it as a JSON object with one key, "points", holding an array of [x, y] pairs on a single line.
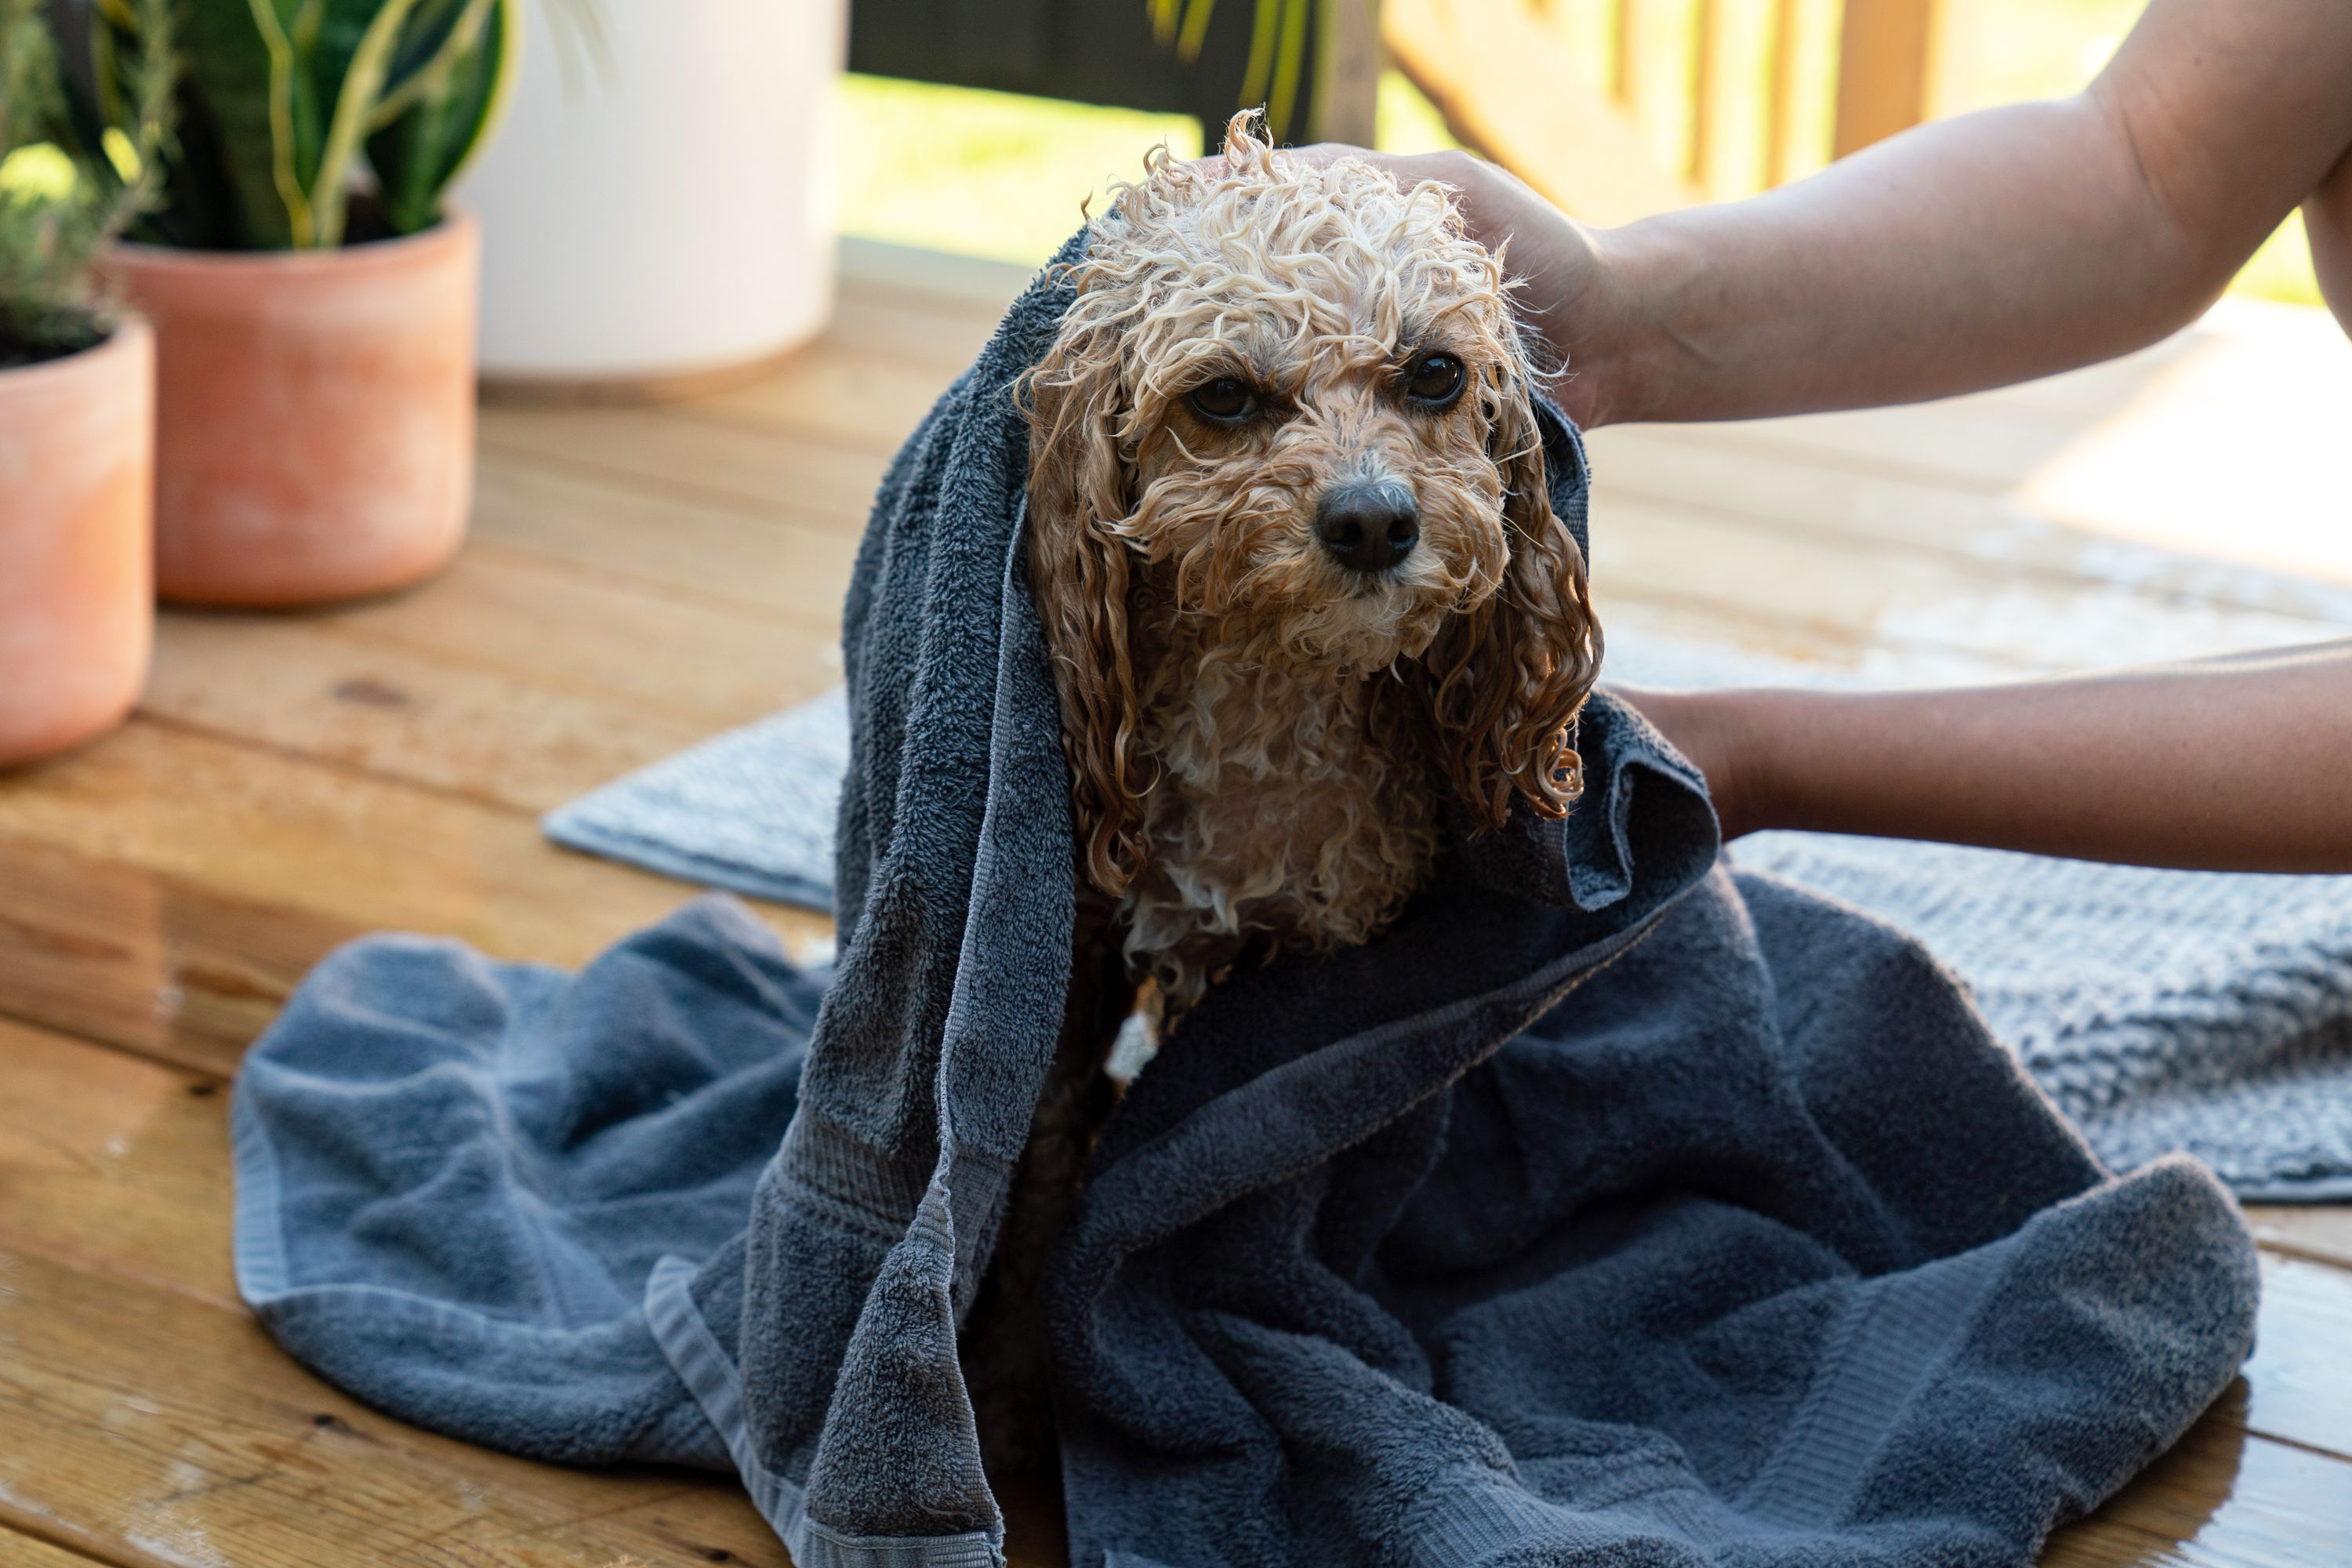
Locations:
{"points": [[1296, 399]]}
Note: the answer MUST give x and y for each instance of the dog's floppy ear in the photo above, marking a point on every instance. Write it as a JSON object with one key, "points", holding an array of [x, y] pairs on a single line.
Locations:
{"points": [[1079, 482], [1506, 680]]}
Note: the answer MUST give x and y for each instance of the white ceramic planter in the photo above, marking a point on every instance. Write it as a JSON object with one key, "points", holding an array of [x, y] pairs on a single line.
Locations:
{"points": [[665, 214]]}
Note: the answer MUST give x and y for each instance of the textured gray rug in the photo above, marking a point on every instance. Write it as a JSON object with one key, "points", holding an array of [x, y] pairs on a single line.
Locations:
{"points": [[2161, 1010]]}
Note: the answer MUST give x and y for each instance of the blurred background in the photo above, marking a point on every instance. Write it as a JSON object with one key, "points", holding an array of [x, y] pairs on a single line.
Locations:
{"points": [[1682, 99]]}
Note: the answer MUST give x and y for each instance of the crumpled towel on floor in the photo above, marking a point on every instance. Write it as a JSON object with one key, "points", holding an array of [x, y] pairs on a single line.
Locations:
{"points": [[1611, 1208]]}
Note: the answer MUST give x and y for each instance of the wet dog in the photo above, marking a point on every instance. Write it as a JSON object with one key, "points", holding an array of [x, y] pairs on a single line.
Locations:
{"points": [[1290, 541]]}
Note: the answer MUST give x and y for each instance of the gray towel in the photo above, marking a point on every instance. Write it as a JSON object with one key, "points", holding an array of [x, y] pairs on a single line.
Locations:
{"points": [[1612, 1208]]}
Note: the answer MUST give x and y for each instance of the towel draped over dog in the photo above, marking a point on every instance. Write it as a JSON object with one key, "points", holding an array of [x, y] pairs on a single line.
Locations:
{"points": [[1611, 1208]]}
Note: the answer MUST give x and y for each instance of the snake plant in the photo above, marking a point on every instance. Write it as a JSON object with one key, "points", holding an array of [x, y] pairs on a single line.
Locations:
{"points": [[1277, 54], [311, 123], [66, 191]]}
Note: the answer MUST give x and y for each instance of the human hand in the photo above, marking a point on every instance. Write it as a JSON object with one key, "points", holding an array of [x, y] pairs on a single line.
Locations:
{"points": [[1704, 726]]}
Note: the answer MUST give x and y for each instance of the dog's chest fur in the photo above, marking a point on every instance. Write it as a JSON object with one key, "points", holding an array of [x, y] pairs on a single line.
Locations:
{"points": [[1291, 808]]}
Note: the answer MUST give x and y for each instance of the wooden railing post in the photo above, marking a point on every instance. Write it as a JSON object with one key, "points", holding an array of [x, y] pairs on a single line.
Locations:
{"points": [[1509, 86], [1885, 55], [1699, 159], [1346, 71], [1625, 52], [1780, 122]]}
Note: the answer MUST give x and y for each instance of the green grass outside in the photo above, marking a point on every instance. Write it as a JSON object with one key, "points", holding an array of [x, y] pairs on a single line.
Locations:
{"points": [[996, 175]]}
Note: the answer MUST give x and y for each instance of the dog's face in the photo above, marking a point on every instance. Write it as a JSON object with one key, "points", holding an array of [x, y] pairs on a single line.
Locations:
{"points": [[1293, 400], [1314, 432], [1303, 374]]}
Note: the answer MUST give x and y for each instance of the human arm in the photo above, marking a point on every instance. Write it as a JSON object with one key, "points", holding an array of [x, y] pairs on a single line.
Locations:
{"points": [[2241, 763], [1965, 253]]}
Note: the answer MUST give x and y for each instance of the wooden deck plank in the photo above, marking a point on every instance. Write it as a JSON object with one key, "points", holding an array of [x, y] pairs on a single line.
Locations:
{"points": [[155, 965], [1909, 601], [837, 391], [262, 826], [693, 456], [115, 1165], [21, 1551], [876, 273], [393, 711], [2322, 1232], [914, 331], [2297, 1378], [522, 612], [154, 1428], [112, 1172], [1758, 483], [766, 557], [2220, 1499]]}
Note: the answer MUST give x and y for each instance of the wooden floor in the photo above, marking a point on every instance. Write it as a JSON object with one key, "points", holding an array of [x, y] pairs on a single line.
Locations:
{"points": [[639, 579]]}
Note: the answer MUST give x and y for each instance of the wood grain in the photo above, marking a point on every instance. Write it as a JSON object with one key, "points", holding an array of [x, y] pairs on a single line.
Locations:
{"points": [[2302, 1365], [2220, 1499], [160, 965], [840, 391], [392, 710], [1909, 602], [569, 626], [113, 1165], [684, 453], [20, 1550], [262, 826], [765, 558], [149, 1427], [1749, 479], [2321, 1232]]}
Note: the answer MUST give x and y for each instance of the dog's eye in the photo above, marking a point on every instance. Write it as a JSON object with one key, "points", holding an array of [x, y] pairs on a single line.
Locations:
{"points": [[1227, 400], [1436, 381]]}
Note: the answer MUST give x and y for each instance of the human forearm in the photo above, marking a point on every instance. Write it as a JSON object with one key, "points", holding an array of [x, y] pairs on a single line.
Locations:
{"points": [[1963, 254], [1967, 254], [2243, 762]]}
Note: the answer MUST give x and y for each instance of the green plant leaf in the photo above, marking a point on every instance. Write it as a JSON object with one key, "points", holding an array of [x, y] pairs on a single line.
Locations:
{"points": [[70, 175], [243, 106], [446, 119]]}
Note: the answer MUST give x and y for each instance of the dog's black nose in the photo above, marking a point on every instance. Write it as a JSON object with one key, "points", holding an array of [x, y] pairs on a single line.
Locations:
{"points": [[1368, 526]]}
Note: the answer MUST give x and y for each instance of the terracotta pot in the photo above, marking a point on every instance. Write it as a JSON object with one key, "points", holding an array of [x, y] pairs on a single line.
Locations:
{"points": [[315, 414], [76, 594]]}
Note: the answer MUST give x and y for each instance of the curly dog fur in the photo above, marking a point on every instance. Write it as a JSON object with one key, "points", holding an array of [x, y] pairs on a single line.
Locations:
{"points": [[1261, 736], [1263, 729]]}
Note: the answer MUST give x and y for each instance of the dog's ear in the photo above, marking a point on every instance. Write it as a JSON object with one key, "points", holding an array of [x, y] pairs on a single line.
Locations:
{"points": [[1079, 482], [1505, 682]]}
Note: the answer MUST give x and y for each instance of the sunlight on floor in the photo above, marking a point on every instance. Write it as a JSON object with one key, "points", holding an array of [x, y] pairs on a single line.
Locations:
{"points": [[2235, 451]]}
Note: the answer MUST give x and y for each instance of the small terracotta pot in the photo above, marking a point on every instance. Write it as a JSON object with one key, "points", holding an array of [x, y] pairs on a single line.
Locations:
{"points": [[77, 592], [315, 414]]}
